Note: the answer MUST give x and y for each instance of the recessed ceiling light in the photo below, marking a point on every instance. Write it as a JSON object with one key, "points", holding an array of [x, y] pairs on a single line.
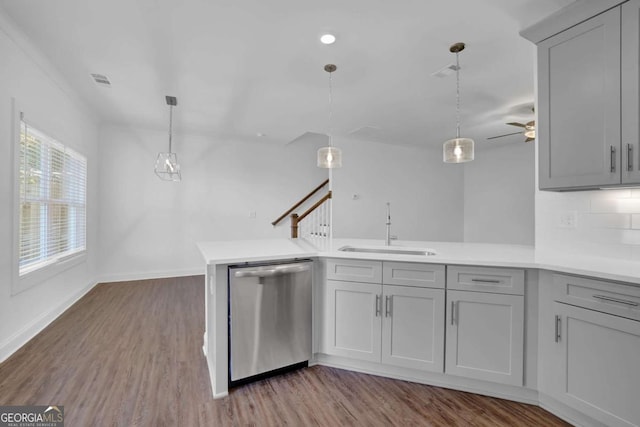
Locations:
{"points": [[328, 38]]}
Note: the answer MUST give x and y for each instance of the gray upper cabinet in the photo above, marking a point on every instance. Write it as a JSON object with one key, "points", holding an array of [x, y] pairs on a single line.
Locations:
{"points": [[630, 92], [579, 97]]}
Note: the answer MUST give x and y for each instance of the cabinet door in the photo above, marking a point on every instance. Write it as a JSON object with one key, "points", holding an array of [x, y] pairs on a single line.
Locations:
{"points": [[599, 371], [354, 324], [630, 92], [485, 336], [579, 105], [413, 327]]}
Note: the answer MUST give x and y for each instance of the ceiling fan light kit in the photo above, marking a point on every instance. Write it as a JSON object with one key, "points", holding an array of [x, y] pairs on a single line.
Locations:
{"points": [[167, 166], [458, 150], [530, 131], [330, 157]]}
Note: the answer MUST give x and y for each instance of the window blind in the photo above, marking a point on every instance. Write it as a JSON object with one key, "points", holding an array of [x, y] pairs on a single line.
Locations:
{"points": [[53, 194]]}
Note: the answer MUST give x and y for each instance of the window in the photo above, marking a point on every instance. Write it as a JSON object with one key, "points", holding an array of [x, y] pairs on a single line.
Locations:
{"points": [[52, 201]]}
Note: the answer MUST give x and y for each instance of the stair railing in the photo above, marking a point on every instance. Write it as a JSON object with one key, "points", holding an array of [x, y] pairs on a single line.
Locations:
{"points": [[318, 216], [319, 225]]}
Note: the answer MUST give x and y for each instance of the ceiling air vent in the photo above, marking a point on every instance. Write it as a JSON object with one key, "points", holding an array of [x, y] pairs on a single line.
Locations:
{"points": [[101, 79], [446, 71]]}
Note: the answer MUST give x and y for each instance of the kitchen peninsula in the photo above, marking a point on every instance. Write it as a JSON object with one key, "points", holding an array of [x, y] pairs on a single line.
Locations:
{"points": [[525, 302]]}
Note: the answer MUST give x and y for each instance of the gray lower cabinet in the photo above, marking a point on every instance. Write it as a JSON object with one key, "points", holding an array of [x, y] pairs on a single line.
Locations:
{"points": [[385, 312], [588, 127], [589, 342], [485, 323], [394, 313], [413, 327], [353, 320], [485, 336], [594, 360]]}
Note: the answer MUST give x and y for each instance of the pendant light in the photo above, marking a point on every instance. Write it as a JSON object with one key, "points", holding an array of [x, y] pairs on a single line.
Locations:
{"points": [[167, 166], [457, 150], [330, 157]]}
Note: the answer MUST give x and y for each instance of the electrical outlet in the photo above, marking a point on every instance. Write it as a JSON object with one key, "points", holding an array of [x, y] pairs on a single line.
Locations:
{"points": [[253, 214], [568, 219]]}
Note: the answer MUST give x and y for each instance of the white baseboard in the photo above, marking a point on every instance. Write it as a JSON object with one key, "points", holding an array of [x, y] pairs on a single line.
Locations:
{"points": [[30, 330], [126, 277], [205, 343], [221, 395], [568, 414]]}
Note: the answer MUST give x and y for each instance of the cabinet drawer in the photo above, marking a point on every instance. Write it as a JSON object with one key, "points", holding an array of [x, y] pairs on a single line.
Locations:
{"points": [[353, 270], [413, 274], [608, 297], [486, 279]]}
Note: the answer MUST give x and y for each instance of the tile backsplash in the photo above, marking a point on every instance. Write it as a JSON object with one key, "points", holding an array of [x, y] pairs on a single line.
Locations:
{"points": [[601, 223]]}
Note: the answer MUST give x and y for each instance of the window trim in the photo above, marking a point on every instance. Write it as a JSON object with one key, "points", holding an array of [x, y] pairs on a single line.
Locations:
{"points": [[55, 266]]}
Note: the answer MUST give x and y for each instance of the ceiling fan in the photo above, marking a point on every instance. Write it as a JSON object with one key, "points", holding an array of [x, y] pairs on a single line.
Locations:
{"points": [[529, 131], [528, 128]]}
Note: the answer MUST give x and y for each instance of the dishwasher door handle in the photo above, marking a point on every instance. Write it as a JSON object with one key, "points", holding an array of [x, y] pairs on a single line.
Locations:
{"points": [[271, 270]]}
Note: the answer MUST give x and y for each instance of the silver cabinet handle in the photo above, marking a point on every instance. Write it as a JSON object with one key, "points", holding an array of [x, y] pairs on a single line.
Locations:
{"points": [[453, 310], [629, 157], [387, 308], [485, 280], [613, 158], [558, 327], [378, 306], [619, 301]]}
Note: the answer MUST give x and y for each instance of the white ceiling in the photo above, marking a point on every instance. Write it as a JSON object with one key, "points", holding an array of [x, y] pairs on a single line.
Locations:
{"points": [[243, 67]]}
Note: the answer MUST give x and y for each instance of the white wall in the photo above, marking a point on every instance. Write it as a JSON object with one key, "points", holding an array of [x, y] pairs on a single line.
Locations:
{"points": [[150, 227], [499, 187], [426, 195], [26, 76]]}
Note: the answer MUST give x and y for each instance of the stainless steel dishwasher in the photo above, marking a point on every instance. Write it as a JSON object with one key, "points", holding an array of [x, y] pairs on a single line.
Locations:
{"points": [[269, 319]]}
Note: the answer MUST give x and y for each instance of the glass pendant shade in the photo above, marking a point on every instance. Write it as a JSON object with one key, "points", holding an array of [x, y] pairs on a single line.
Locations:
{"points": [[458, 150], [167, 167], [329, 157]]}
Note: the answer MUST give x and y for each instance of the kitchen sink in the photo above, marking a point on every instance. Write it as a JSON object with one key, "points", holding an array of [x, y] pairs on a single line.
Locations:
{"points": [[388, 250]]}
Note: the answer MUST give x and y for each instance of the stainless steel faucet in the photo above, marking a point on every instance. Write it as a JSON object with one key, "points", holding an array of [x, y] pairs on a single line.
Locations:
{"points": [[388, 239]]}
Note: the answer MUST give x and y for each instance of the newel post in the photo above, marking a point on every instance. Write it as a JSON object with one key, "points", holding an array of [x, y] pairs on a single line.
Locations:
{"points": [[294, 226]]}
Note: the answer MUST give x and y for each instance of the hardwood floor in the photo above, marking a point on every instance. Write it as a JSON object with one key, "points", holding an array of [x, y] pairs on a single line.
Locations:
{"points": [[130, 354]]}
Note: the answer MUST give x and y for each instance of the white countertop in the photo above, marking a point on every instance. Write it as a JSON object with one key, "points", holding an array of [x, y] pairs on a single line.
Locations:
{"points": [[485, 254]]}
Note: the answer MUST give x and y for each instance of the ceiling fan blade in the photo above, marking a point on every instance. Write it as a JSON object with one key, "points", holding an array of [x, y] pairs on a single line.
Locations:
{"points": [[507, 134], [520, 125]]}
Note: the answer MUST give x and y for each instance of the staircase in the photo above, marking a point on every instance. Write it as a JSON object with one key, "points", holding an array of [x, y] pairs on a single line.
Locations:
{"points": [[314, 224]]}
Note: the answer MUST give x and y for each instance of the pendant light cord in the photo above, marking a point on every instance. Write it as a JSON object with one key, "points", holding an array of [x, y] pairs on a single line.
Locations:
{"points": [[330, 108], [457, 95], [170, 126]]}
